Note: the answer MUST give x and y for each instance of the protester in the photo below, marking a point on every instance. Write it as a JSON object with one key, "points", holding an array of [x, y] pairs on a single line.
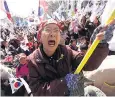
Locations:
{"points": [[14, 47], [46, 54], [83, 40], [4, 49], [30, 48], [73, 44], [36, 45], [92, 25], [83, 49], [51, 66], [6, 89], [22, 69], [103, 49]]}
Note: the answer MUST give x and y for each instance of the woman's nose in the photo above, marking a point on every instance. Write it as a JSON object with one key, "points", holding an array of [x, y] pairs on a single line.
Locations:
{"points": [[52, 35]]}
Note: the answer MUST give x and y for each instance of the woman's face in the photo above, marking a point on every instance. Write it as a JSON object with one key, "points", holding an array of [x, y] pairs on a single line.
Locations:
{"points": [[50, 37], [23, 60], [35, 44], [95, 20], [83, 20], [5, 44], [74, 43], [83, 40]]}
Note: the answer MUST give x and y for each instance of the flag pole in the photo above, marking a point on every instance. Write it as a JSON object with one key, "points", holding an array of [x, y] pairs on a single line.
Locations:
{"points": [[39, 10], [93, 47]]}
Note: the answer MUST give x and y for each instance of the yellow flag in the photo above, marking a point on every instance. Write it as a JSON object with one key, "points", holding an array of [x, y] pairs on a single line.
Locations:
{"points": [[73, 13]]}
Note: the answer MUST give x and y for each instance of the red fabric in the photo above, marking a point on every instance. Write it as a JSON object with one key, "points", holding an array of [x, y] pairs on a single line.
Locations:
{"points": [[30, 44], [4, 7], [23, 71], [9, 17], [44, 5], [8, 59], [41, 26]]}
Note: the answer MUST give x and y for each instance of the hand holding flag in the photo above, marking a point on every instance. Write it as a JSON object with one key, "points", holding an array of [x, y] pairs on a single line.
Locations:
{"points": [[93, 46]]}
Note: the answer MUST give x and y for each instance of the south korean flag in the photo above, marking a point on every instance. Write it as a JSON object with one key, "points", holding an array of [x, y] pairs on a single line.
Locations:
{"points": [[15, 84]]}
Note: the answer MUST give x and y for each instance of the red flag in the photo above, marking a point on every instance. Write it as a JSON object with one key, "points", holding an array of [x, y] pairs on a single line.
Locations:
{"points": [[8, 59], [42, 9], [30, 45], [4, 7]]}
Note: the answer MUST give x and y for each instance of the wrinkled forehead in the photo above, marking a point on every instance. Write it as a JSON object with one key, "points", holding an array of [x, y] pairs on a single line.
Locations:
{"points": [[51, 26]]}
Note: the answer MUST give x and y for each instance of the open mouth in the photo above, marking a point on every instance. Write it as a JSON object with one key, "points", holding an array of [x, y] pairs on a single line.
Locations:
{"points": [[51, 42]]}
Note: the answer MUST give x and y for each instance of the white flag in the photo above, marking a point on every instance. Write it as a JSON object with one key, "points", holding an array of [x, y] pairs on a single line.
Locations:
{"points": [[15, 84], [26, 85], [109, 8]]}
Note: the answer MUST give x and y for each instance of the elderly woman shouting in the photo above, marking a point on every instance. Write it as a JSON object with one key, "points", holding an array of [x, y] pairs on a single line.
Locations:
{"points": [[51, 66]]}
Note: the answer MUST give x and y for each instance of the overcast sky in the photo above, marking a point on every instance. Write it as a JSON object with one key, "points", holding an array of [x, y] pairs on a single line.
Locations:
{"points": [[21, 7]]}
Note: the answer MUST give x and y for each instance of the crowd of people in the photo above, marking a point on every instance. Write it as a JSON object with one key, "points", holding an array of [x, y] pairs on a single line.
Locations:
{"points": [[47, 58]]}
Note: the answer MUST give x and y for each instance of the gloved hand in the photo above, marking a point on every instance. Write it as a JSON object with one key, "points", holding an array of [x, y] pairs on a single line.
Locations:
{"points": [[75, 84]]}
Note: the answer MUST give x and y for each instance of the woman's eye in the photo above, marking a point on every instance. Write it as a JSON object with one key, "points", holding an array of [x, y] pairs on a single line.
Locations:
{"points": [[55, 30], [47, 30]]}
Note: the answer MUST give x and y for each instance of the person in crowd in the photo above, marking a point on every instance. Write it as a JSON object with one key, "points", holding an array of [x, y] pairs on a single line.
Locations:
{"points": [[4, 44], [84, 40], [6, 89], [73, 45], [64, 25], [30, 37], [67, 40], [30, 48], [4, 49], [82, 31], [30, 44], [36, 45], [22, 69], [51, 66], [83, 21], [104, 51], [91, 26], [96, 22], [83, 49], [14, 47], [4, 33], [63, 38]]}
